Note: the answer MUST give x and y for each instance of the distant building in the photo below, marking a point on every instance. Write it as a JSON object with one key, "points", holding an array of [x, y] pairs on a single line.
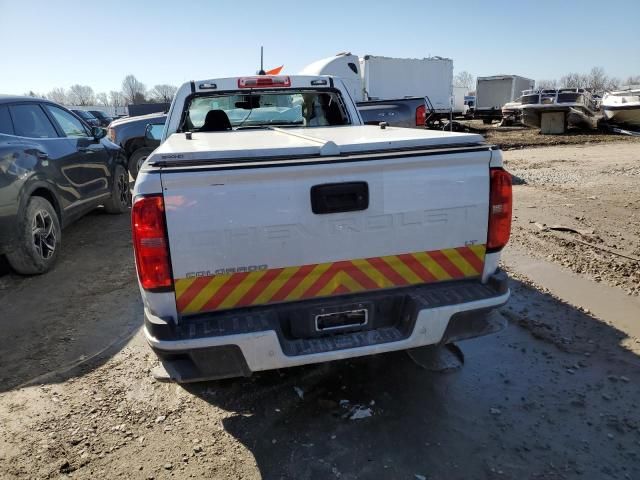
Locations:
{"points": [[146, 108]]}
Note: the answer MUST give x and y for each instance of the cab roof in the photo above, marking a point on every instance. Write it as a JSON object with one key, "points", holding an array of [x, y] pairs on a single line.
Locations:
{"points": [[279, 82], [19, 98]]}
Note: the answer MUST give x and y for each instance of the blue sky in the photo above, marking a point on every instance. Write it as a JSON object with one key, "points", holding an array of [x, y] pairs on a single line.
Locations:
{"points": [[48, 44]]}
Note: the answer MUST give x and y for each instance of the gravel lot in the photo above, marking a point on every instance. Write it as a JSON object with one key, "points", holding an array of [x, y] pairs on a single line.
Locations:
{"points": [[511, 138], [554, 396], [592, 190]]}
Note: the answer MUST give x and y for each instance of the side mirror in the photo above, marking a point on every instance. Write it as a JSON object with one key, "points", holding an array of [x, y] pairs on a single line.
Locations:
{"points": [[153, 133], [98, 132]]}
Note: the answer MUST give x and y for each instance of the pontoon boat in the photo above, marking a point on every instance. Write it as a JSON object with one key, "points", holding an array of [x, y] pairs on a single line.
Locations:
{"points": [[579, 107]]}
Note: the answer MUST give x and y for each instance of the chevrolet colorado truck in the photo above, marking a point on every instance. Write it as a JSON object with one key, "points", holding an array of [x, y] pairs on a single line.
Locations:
{"points": [[271, 228]]}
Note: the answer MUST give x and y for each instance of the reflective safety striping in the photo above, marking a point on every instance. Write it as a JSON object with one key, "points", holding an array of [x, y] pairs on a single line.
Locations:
{"points": [[245, 289], [459, 261]]}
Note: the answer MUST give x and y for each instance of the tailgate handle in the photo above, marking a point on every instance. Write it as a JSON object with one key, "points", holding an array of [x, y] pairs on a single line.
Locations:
{"points": [[339, 197]]}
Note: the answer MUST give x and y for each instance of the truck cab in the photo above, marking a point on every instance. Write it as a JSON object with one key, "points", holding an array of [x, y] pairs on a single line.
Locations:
{"points": [[258, 102]]}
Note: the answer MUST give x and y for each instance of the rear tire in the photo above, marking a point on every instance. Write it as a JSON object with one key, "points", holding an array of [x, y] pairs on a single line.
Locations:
{"points": [[136, 160], [120, 199], [39, 238]]}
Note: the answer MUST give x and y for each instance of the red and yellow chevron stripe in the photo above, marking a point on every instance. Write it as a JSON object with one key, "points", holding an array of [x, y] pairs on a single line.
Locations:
{"points": [[219, 292]]}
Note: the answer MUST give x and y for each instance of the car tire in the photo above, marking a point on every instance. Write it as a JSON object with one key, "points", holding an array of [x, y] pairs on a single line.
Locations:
{"points": [[120, 199], [39, 238], [136, 160]]}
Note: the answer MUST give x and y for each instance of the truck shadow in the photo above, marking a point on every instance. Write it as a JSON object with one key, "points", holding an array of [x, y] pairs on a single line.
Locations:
{"points": [[552, 396], [75, 317]]}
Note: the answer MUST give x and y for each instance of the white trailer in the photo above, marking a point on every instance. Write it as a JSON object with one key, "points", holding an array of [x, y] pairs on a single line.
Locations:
{"points": [[459, 107], [371, 77], [386, 77], [493, 92]]}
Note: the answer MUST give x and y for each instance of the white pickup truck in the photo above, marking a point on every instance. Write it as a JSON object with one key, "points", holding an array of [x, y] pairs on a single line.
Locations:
{"points": [[272, 228]]}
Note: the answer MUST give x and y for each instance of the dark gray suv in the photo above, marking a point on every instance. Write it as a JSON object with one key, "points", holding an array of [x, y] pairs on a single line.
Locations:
{"points": [[53, 169]]}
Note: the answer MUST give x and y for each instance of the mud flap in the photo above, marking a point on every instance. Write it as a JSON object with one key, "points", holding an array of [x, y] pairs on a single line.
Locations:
{"points": [[202, 364], [447, 356], [437, 358]]}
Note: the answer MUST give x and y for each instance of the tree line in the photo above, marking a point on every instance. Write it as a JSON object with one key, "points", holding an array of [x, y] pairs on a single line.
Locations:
{"points": [[132, 92], [596, 81]]}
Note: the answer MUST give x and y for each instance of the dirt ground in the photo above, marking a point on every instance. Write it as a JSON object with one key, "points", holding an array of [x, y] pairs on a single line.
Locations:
{"points": [[555, 395], [591, 191], [511, 138]]}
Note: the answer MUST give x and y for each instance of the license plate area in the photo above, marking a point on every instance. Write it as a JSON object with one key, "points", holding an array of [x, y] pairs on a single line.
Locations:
{"points": [[343, 320], [336, 317]]}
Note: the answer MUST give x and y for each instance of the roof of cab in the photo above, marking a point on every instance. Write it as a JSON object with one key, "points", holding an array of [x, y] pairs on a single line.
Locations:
{"points": [[19, 98], [231, 83]]}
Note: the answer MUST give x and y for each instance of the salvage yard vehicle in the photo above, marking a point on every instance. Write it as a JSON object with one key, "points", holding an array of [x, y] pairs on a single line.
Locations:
{"points": [[402, 112], [103, 117], [53, 170], [271, 228], [129, 133], [87, 117]]}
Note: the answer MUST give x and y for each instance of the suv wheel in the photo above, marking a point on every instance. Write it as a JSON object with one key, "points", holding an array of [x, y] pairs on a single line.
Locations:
{"points": [[136, 160], [39, 238], [120, 200]]}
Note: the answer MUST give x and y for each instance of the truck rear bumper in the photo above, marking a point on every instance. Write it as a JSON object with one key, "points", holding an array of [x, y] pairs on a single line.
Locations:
{"points": [[237, 343]]}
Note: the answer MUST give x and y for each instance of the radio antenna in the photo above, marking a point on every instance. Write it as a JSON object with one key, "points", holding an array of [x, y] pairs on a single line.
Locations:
{"points": [[261, 72]]}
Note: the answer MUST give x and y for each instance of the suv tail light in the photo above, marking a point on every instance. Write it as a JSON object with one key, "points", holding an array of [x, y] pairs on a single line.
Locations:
{"points": [[499, 209], [421, 116], [150, 243], [264, 81]]}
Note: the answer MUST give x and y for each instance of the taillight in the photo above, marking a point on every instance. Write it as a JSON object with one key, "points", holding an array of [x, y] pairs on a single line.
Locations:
{"points": [[499, 209], [150, 243], [421, 116], [111, 134], [264, 81]]}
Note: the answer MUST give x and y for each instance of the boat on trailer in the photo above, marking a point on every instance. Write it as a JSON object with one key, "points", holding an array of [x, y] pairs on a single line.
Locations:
{"points": [[512, 113], [573, 107], [622, 107]]}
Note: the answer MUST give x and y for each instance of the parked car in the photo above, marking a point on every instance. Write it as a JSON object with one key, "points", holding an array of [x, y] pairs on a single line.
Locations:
{"points": [[87, 117], [269, 237], [104, 118], [53, 170], [129, 133]]}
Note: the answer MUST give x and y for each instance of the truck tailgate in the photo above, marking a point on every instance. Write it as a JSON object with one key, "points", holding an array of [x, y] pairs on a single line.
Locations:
{"points": [[249, 236]]}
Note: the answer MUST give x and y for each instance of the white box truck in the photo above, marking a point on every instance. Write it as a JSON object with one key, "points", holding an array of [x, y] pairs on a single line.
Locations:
{"points": [[493, 92], [386, 77], [460, 108], [400, 91]]}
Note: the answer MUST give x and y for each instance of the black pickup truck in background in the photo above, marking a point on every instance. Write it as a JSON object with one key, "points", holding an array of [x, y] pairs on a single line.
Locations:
{"points": [[401, 112], [129, 134]]}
